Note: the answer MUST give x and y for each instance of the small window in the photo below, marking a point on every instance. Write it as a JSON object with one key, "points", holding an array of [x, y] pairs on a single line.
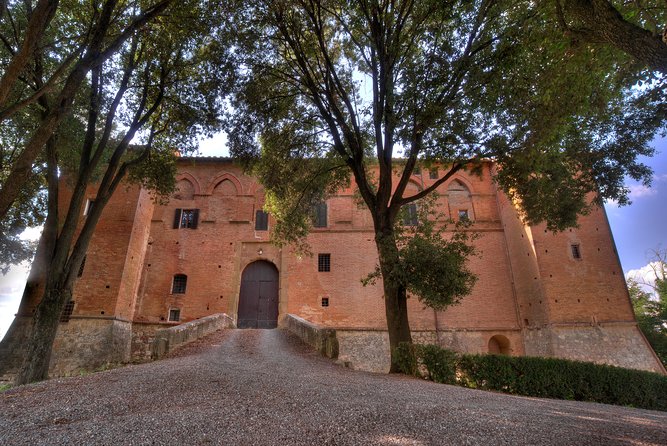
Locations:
{"points": [[67, 311], [320, 215], [89, 206], [174, 314], [261, 221], [179, 284], [83, 265], [325, 301], [186, 218], [576, 252], [463, 215], [410, 216], [324, 263], [433, 174]]}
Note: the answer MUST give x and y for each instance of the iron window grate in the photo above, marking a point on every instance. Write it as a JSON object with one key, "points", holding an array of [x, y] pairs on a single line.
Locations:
{"points": [[324, 263]]}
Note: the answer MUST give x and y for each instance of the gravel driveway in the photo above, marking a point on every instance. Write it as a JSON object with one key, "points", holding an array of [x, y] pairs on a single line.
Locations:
{"points": [[264, 387]]}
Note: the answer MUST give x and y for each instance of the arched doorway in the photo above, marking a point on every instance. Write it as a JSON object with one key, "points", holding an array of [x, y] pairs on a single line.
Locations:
{"points": [[258, 299]]}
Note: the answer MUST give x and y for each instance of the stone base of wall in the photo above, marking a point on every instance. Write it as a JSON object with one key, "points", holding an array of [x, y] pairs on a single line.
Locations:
{"points": [[88, 344], [167, 339], [13, 347], [622, 345], [320, 338]]}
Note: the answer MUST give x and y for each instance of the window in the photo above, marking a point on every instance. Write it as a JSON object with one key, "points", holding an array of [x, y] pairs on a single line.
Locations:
{"points": [[179, 284], [410, 215], [325, 301], [83, 265], [174, 314], [417, 170], [433, 174], [89, 206], [320, 215], [67, 311], [324, 263], [576, 252], [186, 218], [261, 221], [463, 215]]}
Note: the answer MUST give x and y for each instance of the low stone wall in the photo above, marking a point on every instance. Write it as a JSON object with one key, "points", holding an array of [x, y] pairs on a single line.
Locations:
{"points": [[169, 338], [322, 339]]}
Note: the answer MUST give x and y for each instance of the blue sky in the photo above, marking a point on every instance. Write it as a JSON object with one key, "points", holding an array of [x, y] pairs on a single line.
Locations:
{"points": [[642, 226]]}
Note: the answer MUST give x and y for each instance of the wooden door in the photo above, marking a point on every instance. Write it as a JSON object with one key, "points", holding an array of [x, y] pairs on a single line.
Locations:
{"points": [[258, 299]]}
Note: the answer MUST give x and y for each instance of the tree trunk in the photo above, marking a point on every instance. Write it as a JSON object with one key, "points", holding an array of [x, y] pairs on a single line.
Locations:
{"points": [[395, 296], [36, 364]]}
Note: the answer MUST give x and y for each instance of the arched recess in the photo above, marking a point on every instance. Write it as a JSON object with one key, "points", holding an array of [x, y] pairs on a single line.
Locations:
{"points": [[222, 177], [499, 345], [459, 197], [224, 201], [258, 296], [187, 186]]}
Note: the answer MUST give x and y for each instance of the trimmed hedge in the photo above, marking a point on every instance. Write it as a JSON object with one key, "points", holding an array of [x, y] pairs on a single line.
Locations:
{"points": [[535, 376]]}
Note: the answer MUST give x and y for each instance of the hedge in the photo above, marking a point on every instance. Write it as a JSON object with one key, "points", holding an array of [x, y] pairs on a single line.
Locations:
{"points": [[536, 376]]}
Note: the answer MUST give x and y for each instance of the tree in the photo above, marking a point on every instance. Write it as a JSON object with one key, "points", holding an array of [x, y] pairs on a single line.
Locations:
{"points": [[637, 28], [160, 87], [651, 307], [329, 89], [104, 28]]}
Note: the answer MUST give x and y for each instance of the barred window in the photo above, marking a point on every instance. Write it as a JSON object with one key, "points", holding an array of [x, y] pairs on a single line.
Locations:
{"points": [[179, 284], [324, 263], [576, 252], [174, 314], [67, 311], [463, 215]]}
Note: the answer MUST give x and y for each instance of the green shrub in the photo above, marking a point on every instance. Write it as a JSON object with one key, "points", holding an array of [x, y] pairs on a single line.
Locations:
{"points": [[439, 363], [539, 377]]}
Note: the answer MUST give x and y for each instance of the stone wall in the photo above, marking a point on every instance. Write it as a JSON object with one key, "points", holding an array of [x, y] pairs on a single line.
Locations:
{"points": [[90, 343], [320, 338], [169, 338]]}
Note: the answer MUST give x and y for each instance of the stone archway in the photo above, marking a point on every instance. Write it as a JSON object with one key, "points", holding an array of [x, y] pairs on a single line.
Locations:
{"points": [[258, 298]]}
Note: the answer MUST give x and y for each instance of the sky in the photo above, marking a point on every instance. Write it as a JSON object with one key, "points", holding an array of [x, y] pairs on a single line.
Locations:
{"points": [[638, 228]]}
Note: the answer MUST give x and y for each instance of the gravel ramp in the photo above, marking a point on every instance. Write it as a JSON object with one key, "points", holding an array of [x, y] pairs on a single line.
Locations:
{"points": [[264, 387]]}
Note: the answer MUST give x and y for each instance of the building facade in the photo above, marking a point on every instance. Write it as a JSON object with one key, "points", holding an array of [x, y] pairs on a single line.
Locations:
{"points": [[207, 251]]}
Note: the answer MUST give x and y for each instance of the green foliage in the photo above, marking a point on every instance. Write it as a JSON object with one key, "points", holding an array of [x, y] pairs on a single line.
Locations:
{"points": [[538, 377]]}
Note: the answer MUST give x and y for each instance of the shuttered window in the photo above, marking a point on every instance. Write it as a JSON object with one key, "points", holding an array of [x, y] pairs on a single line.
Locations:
{"points": [[186, 218], [261, 221], [320, 215]]}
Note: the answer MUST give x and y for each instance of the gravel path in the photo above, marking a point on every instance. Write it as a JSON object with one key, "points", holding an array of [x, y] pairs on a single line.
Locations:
{"points": [[264, 387]]}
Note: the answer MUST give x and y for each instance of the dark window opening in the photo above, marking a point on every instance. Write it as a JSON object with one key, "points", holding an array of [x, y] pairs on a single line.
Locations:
{"points": [[179, 284], [576, 252], [325, 301], [67, 311], [410, 217], [261, 221], [433, 174], [174, 315], [324, 263], [320, 215], [186, 218], [463, 215], [81, 267]]}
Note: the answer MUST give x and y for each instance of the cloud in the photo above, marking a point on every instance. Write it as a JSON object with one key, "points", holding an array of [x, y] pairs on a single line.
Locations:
{"points": [[641, 191], [659, 178], [645, 276]]}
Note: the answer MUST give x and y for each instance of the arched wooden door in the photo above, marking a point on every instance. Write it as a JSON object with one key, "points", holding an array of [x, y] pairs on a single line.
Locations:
{"points": [[258, 299]]}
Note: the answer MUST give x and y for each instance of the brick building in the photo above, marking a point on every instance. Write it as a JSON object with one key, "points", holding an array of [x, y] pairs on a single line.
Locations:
{"points": [[207, 251]]}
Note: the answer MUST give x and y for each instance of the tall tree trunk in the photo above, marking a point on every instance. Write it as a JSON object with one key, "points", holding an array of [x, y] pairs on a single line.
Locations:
{"points": [[395, 295], [38, 355]]}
